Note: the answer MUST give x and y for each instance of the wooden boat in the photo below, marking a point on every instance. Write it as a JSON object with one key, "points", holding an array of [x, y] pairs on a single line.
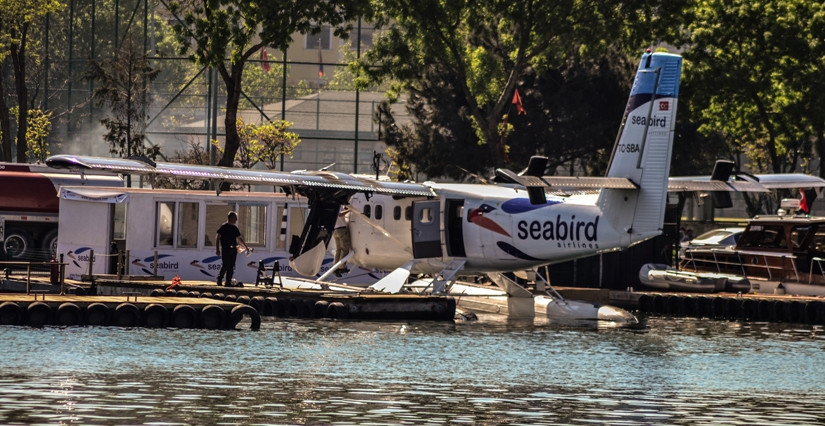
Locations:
{"points": [[777, 254]]}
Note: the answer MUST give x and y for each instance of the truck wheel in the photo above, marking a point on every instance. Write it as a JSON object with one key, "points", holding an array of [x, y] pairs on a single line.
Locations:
{"points": [[18, 244], [50, 244]]}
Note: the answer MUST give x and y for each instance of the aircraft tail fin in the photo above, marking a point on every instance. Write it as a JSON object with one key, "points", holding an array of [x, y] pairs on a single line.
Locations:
{"points": [[643, 149]]}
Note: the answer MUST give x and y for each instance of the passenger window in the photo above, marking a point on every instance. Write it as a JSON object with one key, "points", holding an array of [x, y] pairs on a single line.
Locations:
{"points": [[367, 210], [798, 235], [396, 213], [408, 213], [426, 216], [818, 241], [379, 212]]}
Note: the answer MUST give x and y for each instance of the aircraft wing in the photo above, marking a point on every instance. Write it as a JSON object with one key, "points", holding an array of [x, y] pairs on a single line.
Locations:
{"points": [[320, 180], [759, 183]]}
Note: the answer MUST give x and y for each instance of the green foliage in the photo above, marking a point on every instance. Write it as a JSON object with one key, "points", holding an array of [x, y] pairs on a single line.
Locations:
{"points": [[226, 33], [18, 20], [463, 61], [265, 143], [763, 61], [37, 133]]}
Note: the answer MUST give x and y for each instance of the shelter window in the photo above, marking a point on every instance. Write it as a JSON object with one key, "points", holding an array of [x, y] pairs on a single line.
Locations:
{"points": [[188, 224], [252, 223], [164, 223], [176, 224], [215, 217]]}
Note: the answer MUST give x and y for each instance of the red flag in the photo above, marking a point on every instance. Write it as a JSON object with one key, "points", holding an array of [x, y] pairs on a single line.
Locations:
{"points": [[265, 59], [803, 202], [517, 102]]}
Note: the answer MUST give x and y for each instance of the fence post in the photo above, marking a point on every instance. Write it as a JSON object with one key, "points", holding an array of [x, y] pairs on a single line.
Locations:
{"points": [[62, 275], [91, 262], [119, 264]]}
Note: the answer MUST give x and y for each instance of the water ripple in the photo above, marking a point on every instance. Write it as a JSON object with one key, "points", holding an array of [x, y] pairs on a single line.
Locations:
{"points": [[675, 371]]}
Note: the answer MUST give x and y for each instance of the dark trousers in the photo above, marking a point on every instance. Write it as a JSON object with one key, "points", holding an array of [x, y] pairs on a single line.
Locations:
{"points": [[228, 257]]}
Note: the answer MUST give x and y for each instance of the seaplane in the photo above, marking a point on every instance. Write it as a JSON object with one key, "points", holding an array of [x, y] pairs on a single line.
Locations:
{"points": [[444, 230]]}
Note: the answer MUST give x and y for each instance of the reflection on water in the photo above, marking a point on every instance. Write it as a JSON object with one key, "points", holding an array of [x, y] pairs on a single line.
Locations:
{"points": [[664, 371]]}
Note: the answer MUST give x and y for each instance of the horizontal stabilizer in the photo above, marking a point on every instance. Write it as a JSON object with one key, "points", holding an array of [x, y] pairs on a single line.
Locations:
{"points": [[762, 183]]}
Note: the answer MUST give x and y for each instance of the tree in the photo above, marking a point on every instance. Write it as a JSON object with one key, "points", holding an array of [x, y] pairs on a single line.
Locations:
{"points": [[123, 87], [16, 20], [757, 72], [37, 134], [225, 34], [264, 143], [473, 55], [758, 68]]}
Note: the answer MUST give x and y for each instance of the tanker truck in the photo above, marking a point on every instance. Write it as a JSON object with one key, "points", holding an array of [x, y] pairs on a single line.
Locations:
{"points": [[29, 208]]}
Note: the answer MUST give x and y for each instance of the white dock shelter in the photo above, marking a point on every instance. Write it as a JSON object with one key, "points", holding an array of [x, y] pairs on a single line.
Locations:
{"points": [[175, 227]]}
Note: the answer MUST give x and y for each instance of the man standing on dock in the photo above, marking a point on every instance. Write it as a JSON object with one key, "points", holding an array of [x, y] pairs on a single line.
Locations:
{"points": [[227, 241]]}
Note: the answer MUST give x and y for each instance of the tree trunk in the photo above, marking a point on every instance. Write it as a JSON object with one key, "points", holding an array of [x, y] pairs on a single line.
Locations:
{"points": [[18, 56], [5, 120], [233, 97]]}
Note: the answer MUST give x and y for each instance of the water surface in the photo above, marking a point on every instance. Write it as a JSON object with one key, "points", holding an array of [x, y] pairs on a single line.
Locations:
{"points": [[675, 371]]}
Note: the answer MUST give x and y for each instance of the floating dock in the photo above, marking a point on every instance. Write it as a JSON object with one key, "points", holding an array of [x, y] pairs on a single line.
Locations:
{"points": [[337, 302], [310, 300], [722, 306], [39, 309]]}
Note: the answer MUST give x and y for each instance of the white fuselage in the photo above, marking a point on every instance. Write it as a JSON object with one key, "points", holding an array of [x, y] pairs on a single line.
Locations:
{"points": [[490, 227]]}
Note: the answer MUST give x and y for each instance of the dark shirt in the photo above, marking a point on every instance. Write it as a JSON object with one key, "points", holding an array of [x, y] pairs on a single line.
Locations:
{"points": [[229, 236]]}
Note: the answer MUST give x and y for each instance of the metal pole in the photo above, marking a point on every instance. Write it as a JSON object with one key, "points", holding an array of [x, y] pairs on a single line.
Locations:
{"points": [[208, 120], [71, 46], [283, 97], [357, 100], [92, 56], [46, 66]]}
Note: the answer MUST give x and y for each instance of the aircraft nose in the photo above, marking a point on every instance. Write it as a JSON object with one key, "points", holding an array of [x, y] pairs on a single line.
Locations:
{"points": [[617, 315]]}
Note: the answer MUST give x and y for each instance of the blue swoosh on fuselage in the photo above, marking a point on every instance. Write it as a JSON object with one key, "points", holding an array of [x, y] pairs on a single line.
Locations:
{"points": [[521, 205], [512, 251]]}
